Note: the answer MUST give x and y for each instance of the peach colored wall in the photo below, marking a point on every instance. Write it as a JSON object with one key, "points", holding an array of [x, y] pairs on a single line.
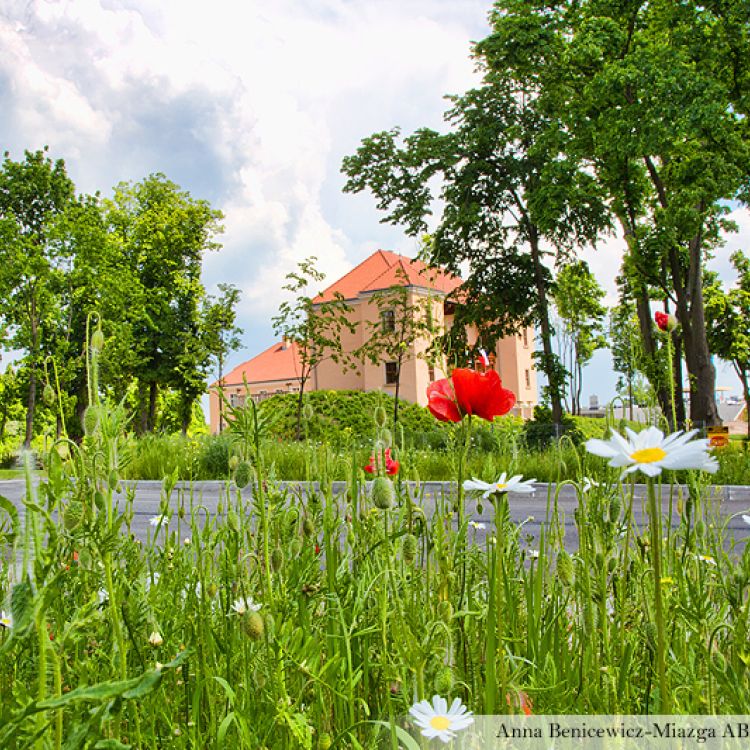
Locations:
{"points": [[514, 359], [268, 388]]}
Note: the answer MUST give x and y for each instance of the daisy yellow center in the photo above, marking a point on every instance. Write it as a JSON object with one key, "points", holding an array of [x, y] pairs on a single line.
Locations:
{"points": [[648, 455], [500, 486], [440, 722]]}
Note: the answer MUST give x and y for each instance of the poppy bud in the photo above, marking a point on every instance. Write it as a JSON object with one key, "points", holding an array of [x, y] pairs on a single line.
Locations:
{"points": [[565, 568], [253, 625], [155, 639], [383, 493], [308, 412], [97, 340], [295, 547], [48, 395], [234, 462], [90, 420], [445, 611], [243, 475], [614, 508], [410, 549], [324, 741], [72, 515], [233, 521], [308, 528], [63, 450], [665, 321], [649, 631], [212, 589], [386, 436], [259, 678], [277, 559], [380, 416]]}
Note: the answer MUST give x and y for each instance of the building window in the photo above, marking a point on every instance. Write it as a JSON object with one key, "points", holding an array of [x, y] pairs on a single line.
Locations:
{"points": [[391, 373], [431, 373], [388, 320], [526, 339], [237, 399], [528, 378]]}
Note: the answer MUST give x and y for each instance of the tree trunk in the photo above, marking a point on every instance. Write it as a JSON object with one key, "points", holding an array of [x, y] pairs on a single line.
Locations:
{"points": [[653, 369], [544, 327], [691, 314], [30, 407], [153, 392], [395, 396], [677, 381], [745, 380], [299, 408]]}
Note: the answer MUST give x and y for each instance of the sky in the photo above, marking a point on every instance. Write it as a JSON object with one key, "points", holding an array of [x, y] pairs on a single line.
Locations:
{"points": [[252, 106]]}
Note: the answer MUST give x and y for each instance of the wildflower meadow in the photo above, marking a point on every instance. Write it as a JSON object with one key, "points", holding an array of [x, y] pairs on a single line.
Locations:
{"points": [[322, 620]]}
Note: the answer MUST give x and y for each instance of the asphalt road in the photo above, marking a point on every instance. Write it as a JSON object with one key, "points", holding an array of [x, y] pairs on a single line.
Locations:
{"points": [[726, 503]]}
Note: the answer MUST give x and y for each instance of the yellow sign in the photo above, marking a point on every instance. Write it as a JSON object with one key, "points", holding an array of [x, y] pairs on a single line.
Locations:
{"points": [[718, 437]]}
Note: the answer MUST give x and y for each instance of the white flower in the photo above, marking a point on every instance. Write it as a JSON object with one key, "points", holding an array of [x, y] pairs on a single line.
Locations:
{"points": [[478, 526], [589, 483], [746, 519], [6, 620], [706, 559], [533, 554], [162, 520], [503, 484], [437, 720], [155, 639], [651, 452], [246, 604]]}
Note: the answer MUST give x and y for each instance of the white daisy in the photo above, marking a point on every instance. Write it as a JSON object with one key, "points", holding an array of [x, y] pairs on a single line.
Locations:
{"points": [[706, 559], [6, 620], [477, 525], [589, 484], [246, 604], [650, 452], [746, 518], [503, 484], [162, 520], [437, 720]]}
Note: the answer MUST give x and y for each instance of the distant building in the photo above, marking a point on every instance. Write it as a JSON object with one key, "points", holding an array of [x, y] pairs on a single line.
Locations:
{"points": [[276, 370]]}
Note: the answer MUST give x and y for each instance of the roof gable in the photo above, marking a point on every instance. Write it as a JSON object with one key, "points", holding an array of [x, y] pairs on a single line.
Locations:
{"points": [[279, 362], [385, 269]]}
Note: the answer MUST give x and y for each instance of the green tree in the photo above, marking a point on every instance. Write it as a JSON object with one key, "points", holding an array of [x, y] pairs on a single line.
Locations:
{"points": [[313, 327], [405, 328], [655, 97], [221, 335], [578, 298], [728, 323], [33, 193], [162, 233], [513, 195]]}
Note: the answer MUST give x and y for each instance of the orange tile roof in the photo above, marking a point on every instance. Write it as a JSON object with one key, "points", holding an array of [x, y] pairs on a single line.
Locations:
{"points": [[385, 269], [278, 362]]}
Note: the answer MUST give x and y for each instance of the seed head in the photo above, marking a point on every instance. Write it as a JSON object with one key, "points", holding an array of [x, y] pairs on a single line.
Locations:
{"points": [[380, 416]]}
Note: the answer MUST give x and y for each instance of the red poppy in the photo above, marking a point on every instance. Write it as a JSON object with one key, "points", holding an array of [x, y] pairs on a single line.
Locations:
{"points": [[391, 466], [665, 321], [469, 392]]}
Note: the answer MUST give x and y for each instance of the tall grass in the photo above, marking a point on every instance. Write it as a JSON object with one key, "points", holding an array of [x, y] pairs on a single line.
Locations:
{"points": [[367, 603]]}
